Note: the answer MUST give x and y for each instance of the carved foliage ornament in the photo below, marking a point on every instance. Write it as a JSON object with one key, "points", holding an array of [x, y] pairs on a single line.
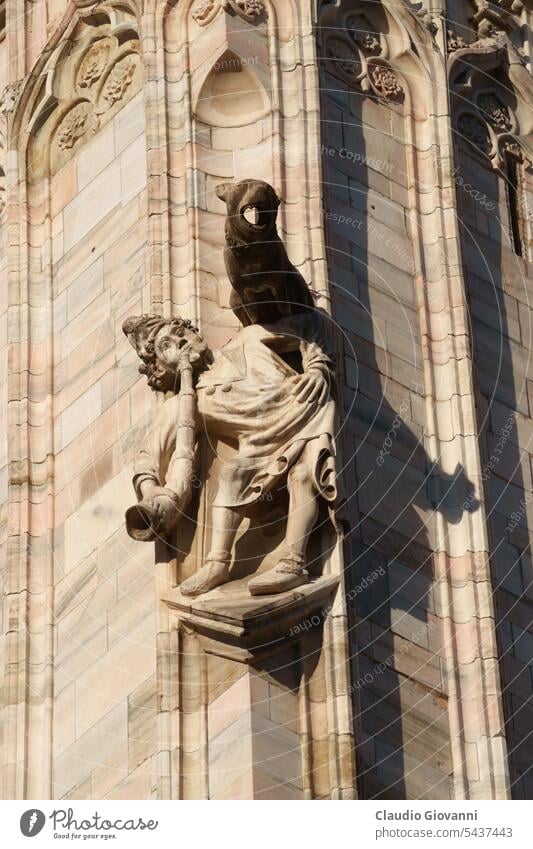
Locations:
{"points": [[491, 39], [361, 32], [366, 41], [204, 11], [511, 146], [94, 63], [10, 96], [455, 41], [75, 125], [495, 112], [119, 80], [385, 82], [247, 8]]}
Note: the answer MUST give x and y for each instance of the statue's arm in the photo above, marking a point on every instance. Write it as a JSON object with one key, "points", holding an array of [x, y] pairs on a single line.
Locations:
{"points": [[155, 456], [162, 477], [307, 333]]}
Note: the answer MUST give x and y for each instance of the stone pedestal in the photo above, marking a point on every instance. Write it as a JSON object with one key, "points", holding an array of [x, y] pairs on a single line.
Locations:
{"points": [[260, 703]]}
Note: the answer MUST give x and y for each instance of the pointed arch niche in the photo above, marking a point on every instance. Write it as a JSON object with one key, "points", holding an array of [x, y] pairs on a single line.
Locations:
{"points": [[233, 132]]}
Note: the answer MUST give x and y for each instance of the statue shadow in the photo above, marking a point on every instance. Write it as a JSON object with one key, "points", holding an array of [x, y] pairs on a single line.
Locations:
{"points": [[394, 489]]}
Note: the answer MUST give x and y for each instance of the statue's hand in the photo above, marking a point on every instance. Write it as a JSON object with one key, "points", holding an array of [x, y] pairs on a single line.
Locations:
{"points": [[165, 510], [312, 386]]}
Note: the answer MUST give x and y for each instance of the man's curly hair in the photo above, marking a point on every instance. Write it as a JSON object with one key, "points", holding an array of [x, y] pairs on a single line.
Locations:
{"points": [[141, 331]]}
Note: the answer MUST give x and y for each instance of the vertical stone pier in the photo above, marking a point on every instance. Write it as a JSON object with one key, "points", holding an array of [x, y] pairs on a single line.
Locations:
{"points": [[261, 704]]}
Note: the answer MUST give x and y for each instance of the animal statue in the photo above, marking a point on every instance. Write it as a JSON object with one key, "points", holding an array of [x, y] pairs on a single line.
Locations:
{"points": [[265, 284]]}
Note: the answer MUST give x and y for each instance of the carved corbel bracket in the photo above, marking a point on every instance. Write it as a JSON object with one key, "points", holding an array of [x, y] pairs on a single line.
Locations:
{"points": [[248, 679], [243, 627]]}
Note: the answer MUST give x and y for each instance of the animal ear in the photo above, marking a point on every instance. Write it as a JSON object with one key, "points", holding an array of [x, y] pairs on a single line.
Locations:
{"points": [[277, 198], [222, 191]]}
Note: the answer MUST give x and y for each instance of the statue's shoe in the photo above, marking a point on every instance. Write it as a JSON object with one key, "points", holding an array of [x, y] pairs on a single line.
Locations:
{"points": [[285, 576], [212, 575]]}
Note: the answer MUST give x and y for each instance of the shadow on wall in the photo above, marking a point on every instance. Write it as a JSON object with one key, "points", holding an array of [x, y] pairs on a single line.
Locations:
{"points": [[401, 723], [494, 248]]}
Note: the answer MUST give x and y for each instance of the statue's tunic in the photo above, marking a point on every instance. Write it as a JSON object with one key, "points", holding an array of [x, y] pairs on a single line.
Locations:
{"points": [[249, 395]]}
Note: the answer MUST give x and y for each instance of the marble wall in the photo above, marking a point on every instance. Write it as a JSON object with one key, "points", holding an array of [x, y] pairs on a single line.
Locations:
{"points": [[110, 150]]}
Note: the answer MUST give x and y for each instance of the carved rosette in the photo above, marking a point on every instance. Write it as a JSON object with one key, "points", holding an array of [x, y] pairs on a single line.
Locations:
{"points": [[496, 112], [385, 82], [119, 80], [205, 11], [343, 61], [75, 125], [94, 63]]}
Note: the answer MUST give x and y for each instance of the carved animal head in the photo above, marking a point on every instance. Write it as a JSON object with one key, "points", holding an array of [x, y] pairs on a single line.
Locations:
{"points": [[159, 342], [252, 209]]}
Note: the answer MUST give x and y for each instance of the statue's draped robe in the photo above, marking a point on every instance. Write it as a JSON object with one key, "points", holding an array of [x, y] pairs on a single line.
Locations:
{"points": [[249, 395]]}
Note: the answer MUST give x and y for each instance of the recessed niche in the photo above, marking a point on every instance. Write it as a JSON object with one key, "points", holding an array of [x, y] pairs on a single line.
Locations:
{"points": [[231, 95]]}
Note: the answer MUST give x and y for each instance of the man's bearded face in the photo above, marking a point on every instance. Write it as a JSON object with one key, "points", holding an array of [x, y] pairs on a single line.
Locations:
{"points": [[170, 344]]}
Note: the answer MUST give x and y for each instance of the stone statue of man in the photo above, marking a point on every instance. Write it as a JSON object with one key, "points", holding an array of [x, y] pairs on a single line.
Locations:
{"points": [[269, 391]]}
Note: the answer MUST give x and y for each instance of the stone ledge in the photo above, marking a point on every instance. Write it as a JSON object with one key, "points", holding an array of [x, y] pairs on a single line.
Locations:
{"points": [[239, 622]]}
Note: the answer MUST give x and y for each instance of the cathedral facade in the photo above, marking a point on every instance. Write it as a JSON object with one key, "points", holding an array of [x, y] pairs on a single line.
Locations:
{"points": [[397, 137]]}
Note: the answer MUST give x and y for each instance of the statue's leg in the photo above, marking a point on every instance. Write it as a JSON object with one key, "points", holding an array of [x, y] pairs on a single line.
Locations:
{"points": [[290, 572], [226, 522], [303, 507]]}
